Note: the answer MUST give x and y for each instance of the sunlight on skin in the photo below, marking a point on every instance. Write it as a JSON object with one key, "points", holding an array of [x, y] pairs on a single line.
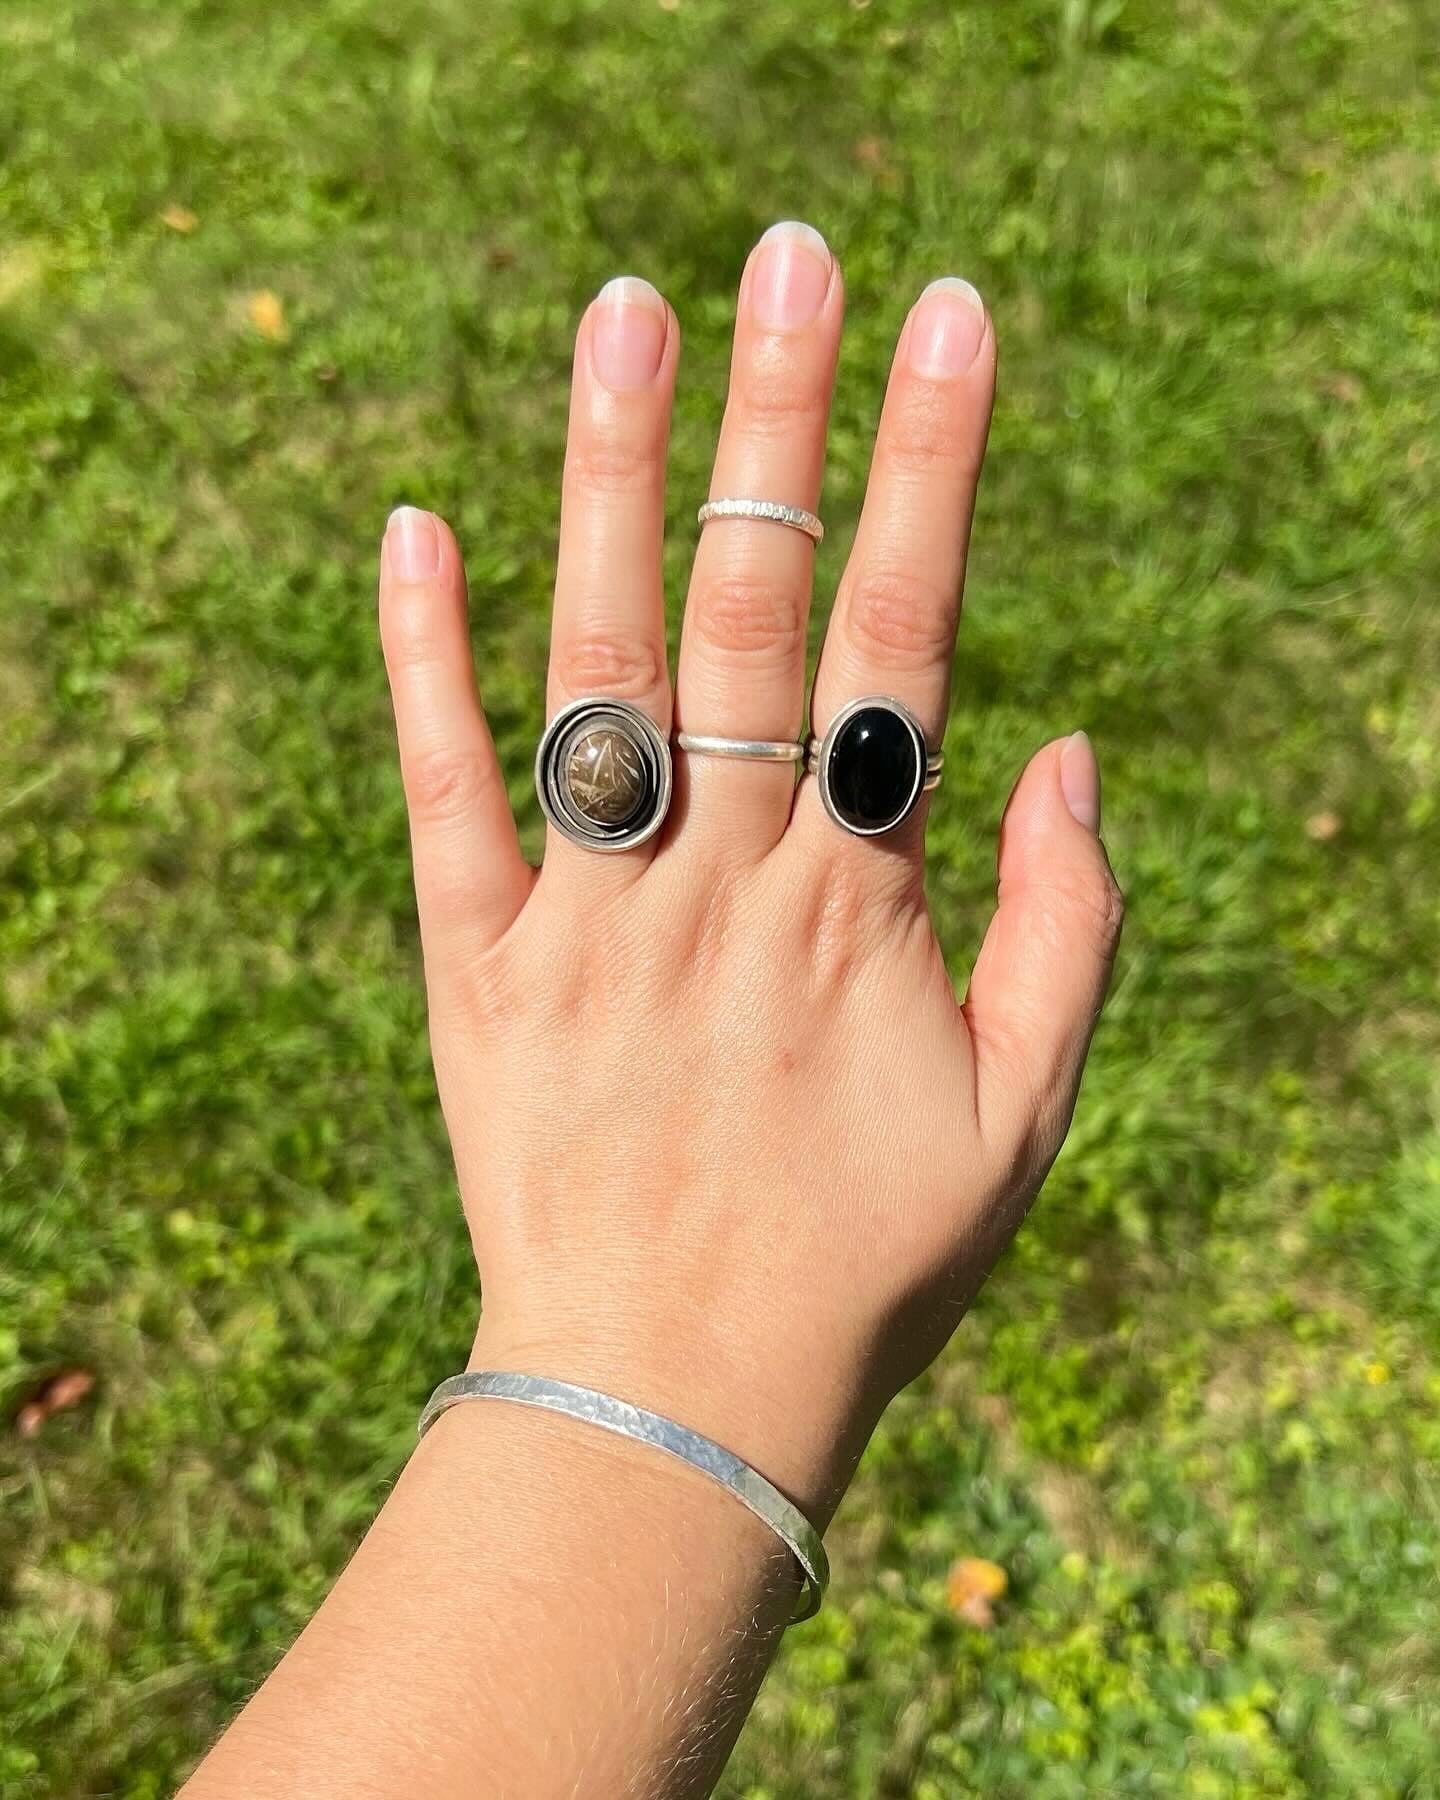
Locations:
{"points": [[667, 1082]]}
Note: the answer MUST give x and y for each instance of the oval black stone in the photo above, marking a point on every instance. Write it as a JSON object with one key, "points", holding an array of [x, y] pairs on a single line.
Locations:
{"points": [[875, 769]]}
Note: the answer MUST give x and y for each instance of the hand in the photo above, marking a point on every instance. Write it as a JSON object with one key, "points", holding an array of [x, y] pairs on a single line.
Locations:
{"points": [[728, 1144]]}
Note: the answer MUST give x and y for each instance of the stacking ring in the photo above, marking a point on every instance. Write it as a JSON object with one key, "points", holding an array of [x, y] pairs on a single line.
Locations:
{"points": [[774, 511], [781, 750], [873, 765], [603, 774]]}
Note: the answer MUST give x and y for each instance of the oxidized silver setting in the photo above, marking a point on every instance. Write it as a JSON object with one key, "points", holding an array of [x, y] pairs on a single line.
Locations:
{"points": [[820, 752], [603, 774]]}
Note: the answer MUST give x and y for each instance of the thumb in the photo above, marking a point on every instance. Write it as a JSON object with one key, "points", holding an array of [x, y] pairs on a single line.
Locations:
{"points": [[1040, 980]]}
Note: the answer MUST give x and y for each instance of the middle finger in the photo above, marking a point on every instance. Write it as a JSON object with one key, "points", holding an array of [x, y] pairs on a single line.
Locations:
{"points": [[742, 649]]}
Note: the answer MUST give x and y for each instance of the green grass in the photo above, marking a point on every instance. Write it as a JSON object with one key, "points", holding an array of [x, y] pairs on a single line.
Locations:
{"points": [[1196, 1415]]}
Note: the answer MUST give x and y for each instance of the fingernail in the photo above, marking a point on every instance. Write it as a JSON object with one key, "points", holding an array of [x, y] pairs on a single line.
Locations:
{"points": [[1080, 780], [412, 544], [628, 334], [790, 276], [946, 329]]}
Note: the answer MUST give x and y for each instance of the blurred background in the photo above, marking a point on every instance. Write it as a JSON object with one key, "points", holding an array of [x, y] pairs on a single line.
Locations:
{"points": [[1165, 1519]]}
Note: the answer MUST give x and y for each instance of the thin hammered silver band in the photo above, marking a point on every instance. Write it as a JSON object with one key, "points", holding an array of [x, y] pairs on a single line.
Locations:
{"points": [[748, 1486], [782, 750], [775, 511]]}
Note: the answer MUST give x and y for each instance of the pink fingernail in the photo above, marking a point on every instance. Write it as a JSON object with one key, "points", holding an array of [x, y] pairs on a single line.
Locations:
{"points": [[1080, 780], [790, 276], [946, 329], [412, 544], [628, 333]]}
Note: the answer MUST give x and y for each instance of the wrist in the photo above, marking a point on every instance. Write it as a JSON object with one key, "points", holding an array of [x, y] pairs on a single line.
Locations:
{"points": [[799, 1421]]}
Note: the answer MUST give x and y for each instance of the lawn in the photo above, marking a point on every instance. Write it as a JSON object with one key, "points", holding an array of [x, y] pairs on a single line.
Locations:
{"points": [[266, 270]]}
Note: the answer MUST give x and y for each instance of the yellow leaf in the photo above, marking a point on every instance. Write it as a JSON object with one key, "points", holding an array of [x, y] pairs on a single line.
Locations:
{"points": [[971, 1586], [179, 218], [267, 315]]}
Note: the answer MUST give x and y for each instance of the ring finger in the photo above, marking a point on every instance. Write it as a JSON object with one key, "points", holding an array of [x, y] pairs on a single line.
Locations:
{"points": [[892, 629], [742, 650]]}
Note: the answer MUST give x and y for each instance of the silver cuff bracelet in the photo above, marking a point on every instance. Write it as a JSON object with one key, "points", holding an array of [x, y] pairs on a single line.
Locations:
{"points": [[748, 1486]]}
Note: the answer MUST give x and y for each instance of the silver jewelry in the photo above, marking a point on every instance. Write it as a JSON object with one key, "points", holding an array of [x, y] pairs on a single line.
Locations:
{"points": [[775, 511], [873, 765], [747, 1485], [783, 750], [603, 774]]}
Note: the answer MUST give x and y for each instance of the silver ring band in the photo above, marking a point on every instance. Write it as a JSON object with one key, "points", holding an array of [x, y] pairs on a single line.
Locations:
{"points": [[748, 1485], [782, 750], [773, 511]]}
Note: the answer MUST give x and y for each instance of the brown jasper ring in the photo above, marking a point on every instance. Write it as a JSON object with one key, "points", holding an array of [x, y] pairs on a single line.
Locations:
{"points": [[603, 774]]}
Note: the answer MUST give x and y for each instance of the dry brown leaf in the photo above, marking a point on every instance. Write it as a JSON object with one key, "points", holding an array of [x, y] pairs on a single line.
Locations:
{"points": [[1344, 388], [179, 218], [971, 1587], [267, 315], [57, 1393]]}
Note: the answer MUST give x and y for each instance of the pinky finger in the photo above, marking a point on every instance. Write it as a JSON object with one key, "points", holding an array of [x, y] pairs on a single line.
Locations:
{"points": [[470, 878]]}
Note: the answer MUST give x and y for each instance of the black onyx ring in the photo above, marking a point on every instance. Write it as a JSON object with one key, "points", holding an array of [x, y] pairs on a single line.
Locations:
{"points": [[603, 774], [872, 765]]}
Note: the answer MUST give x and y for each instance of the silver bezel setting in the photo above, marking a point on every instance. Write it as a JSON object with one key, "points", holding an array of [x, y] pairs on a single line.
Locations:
{"points": [[927, 766], [558, 804]]}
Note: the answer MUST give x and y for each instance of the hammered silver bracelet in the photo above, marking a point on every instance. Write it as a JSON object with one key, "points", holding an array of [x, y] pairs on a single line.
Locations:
{"points": [[748, 1486]]}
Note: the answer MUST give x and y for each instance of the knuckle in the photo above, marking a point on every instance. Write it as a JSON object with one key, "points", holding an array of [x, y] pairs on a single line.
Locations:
{"points": [[1113, 908], [924, 440], [1097, 897], [613, 465], [1092, 896], [751, 616], [855, 906], [414, 630], [777, 397], [837, 905], [627, 668], [902, 618], [480, 990], [446, 784]]}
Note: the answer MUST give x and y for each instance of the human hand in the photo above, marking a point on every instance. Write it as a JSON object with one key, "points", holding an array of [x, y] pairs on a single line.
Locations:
{"points": [[729, 1145]]}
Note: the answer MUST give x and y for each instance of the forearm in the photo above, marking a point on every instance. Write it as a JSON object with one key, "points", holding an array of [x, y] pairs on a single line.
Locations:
{"points": [[538, 1609]]}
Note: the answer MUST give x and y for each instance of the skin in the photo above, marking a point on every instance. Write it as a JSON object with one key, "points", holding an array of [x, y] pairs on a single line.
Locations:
{"points": [[729, 1144]]}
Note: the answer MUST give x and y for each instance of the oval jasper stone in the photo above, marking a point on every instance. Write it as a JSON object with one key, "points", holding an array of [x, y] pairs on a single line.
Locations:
{"points": [[605, 775], [876, 768]]}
